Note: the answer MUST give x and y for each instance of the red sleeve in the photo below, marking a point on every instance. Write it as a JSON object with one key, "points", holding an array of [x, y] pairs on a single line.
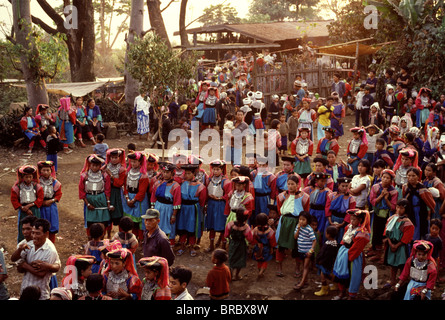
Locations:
{"points": [[404, 275], [142, 188], [358, 244], [272, 240], [107, 185], [273, 186], [327, 210], [24, 124], [119, 181], [293, 147], [373, 194], [408, 233], [432, 276], [343, 112], [176, 192], [153, 193], [72, 116], [249, 204], [306, 202], [82, 193], [310, 149], [202, 195], [58, 192], [318, 145], [15, 200], [336, 147], [362, 152], [248, 234], [227, 229], [227, 207]]}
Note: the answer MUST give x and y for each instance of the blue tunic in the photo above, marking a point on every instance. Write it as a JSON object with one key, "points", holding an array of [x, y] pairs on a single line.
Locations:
{"points": [[262, 195], [190, 215], [215, 218], [165, 209], [339, 206], [318, 204]]}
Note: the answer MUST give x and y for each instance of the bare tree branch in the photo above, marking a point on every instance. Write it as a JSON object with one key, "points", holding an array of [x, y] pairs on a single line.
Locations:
{"points": [[44, 26], [49, 10], [171, 1]]}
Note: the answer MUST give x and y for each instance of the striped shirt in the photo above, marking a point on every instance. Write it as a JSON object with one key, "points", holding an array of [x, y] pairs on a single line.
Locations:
{"points": [[305, 238], [46, 253]]}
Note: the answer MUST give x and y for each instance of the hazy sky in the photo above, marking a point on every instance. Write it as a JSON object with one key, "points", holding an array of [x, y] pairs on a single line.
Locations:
{"points": [[170, 15]]}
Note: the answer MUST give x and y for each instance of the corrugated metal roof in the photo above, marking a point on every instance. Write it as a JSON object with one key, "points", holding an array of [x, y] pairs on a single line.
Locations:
{"points": [[272, 31]]}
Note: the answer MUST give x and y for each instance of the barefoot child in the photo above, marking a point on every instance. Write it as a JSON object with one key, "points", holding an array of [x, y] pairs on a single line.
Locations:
{"points": [[219, 277], [326, 258], [264, 241]]}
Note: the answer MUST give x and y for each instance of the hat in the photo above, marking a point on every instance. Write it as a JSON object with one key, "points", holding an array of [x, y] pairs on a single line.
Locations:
{"points": [[46, 163], [27, 169], [247, 101], [324, 161], [434, 192], [275, 96], [344, 180], [357, 129], [217, 163], [329, 129], [151, 214], [241, 179], [321, 175], [394, 129], [290, 159], [297, 83], [167, 166], [190, 167], [258, 95]]}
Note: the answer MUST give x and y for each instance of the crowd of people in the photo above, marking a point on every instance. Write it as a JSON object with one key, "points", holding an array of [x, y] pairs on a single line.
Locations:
{"points": [[383, 203]]}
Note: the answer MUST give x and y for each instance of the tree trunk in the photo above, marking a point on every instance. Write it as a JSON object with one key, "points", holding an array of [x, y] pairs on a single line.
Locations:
{"points": [[81, 40], [156, 20], [35, 84], [103, 42], [182, 31], [136, 29]]}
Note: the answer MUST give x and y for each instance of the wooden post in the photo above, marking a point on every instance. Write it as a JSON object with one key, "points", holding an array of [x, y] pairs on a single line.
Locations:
{"points": [[320, 80], [356, 66], [290, 83]]}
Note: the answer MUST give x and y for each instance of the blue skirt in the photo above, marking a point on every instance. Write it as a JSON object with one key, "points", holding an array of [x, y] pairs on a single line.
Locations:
{"points": [[215, 218], [209, 116], [142, 122], [343, 269], [69, 132], [414, 284], [189, 218], [261, 203], [166, 212], [51, 214], [135, 213]]}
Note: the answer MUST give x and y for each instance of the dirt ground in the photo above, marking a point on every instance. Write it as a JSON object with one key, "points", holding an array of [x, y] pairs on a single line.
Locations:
{"points": [[72, 235]]}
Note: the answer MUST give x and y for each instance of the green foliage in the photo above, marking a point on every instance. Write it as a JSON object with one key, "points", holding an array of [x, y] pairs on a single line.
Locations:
{"points": [[156, 66], [280, 10], [9, 61], [219, 14]]}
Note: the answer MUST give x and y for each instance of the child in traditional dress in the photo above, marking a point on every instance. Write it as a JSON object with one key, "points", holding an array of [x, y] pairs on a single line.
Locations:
{"points": [[190, 219], [218, 187], [289, 204], [219, 277], [420, 270], [92, 248], [239, 197], [26, 195], [306, 241], [383, 198], [327, 143], [318, 194], [166, 198], [407, 158], [135, 201], [337, 205], [284, 131], [238, 233], [302, 148], [348, 266], [264, 183], [263, 237], [357, 148], [372, 132], [121, 280], [125, 235], [79, 267], [320, 165], [67, 116], [156, 279], [115, 167], [382, 154], [306, 117], [52, 193], [326, 258], [94, 284], [287, 170], [398, 234], [94, 190], [52, 145]]}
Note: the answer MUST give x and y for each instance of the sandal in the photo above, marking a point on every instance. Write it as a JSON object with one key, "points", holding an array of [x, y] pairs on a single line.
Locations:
{"points": [[192, 253], [180, 252], [297, 274], [279, 274], [298, 287]]}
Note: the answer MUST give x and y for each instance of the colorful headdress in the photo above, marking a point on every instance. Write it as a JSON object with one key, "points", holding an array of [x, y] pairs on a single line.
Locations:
{"points": [[116, 152], [142, 159], [41, 107], [431, 137], [329, 129], [110, 246], [47, 164], [63, 293], [126, 256], [65, 104], [67, 281], [390, 172], [218, 163], [92, 158], [289, 159], [407, 152], [167, 166], [362, 131], [394, 129], [423, 245], [153, 158], [159, 264], [27, 169], [365, 226]]}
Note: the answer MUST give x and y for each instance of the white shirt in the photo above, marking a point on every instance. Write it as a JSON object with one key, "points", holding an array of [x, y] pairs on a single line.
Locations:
{"points": [[185, 295], [47, 253], [362, 199], [359, 98], [141, 104]]}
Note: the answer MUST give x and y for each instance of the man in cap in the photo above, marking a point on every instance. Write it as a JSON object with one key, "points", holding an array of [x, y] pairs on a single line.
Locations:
{"points": [[156, 242]]}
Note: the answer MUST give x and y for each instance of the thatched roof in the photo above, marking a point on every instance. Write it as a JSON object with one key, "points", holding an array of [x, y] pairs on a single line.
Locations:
{"points": [[272, 31]]}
